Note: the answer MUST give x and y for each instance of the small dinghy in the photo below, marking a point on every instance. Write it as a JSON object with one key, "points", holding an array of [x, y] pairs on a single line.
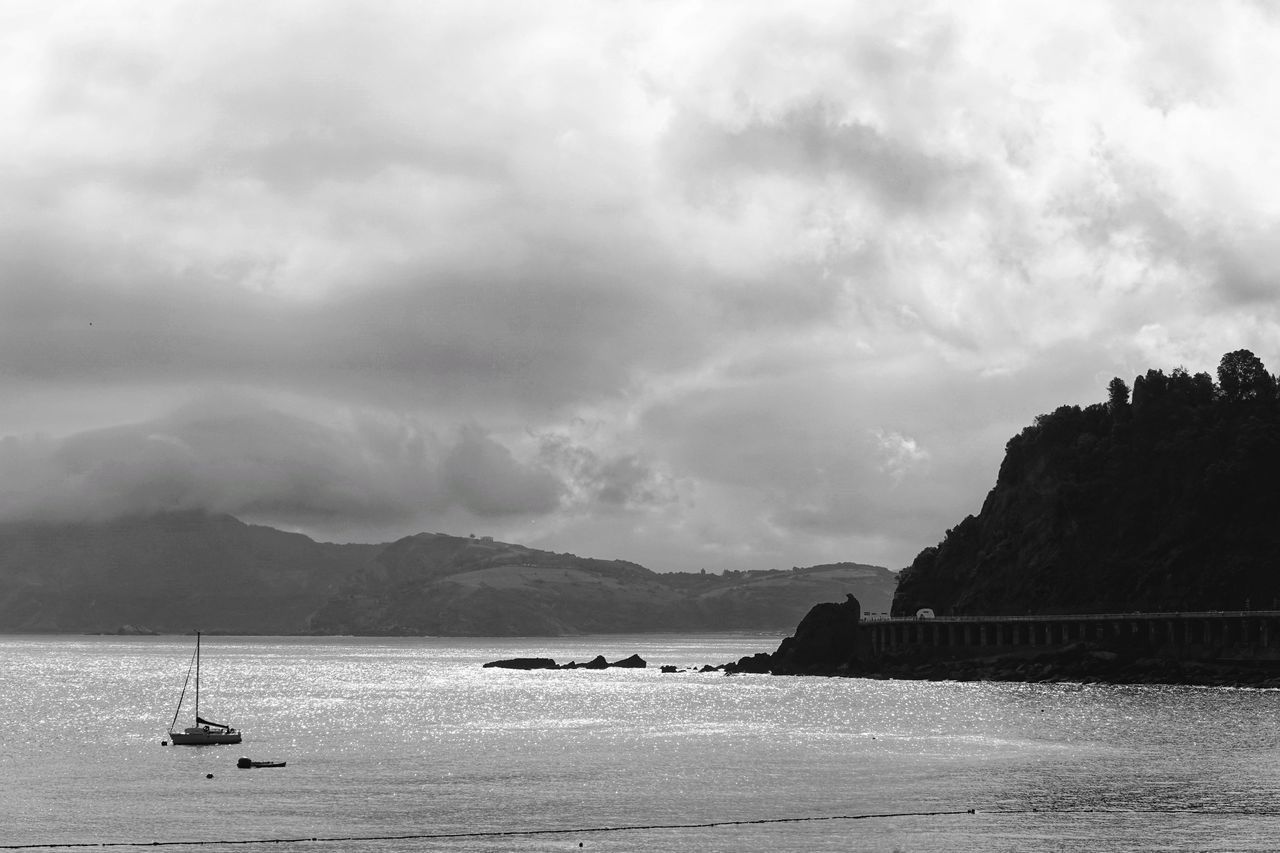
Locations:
{"points": [[246, 763]]}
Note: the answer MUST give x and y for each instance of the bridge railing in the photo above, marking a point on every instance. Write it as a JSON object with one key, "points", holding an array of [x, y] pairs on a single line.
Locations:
{"points": [[1072, 617]]}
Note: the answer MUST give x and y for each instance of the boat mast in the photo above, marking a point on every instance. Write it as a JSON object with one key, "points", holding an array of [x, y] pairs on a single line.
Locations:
{"points": [[186, 682], [197, 678]]}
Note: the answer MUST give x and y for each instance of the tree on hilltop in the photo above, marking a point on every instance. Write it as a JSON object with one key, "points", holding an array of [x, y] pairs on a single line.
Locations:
{"points": [[1117, 394], [1242, 377]]}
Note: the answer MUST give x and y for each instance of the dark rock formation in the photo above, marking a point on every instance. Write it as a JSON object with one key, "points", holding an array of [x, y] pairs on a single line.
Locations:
{"points": [[633, 662], [824, 643], [598, 662], [523, 663], [825, 639]]}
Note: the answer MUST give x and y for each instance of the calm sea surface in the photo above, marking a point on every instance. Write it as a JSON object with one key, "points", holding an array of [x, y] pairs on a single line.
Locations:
{"points": [[411, 737]]}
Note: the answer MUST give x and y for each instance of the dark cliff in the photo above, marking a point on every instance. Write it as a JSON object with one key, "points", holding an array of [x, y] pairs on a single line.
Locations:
{"points": [[1167, 501]]}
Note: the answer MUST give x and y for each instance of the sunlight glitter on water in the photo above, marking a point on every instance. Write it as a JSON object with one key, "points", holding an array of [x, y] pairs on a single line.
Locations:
{"points": [[407, 735]]}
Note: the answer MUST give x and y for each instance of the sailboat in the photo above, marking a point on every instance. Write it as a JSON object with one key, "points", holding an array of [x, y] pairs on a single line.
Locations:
{"points": [[204, 731]]}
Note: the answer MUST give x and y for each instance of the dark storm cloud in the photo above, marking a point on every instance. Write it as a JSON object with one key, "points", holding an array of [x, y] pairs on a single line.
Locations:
{"points": [[483, 476], [817, 143], [555, 332], [229, 453]]}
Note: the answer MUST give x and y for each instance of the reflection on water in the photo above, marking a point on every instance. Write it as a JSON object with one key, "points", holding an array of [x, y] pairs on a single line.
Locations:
{"points": [[412, 736]]}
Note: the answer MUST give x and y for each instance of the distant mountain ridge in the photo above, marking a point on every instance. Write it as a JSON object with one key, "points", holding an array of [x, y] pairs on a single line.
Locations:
{"points": [[173, 572], [437, 584], [176, 572]]}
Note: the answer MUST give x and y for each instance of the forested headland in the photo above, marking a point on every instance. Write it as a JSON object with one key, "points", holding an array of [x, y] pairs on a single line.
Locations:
{"points": [[1165, 496]]}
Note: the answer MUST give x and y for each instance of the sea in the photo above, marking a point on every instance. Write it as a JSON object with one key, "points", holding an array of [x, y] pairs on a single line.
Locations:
{"points": [[410, 744]]}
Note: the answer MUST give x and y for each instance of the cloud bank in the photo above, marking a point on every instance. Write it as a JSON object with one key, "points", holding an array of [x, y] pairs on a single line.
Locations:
{"points": [[696, 285]]}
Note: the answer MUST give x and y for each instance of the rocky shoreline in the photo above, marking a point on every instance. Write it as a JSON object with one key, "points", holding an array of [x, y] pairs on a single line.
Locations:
{"points": [[825, 640], [1077, 664]]}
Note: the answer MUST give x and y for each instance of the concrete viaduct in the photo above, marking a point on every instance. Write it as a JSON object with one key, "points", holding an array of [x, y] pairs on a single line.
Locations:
{"points": [[1244, 635]]}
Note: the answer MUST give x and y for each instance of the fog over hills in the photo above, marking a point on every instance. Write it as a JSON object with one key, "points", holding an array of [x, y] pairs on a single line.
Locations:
{"points": [[177, 572]]}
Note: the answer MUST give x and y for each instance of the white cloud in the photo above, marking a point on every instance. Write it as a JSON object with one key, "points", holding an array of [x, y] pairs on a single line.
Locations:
{"points": [[899, 454]]}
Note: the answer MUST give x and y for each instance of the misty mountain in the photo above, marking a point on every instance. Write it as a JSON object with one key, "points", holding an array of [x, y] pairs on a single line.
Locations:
{"points": [[177, 572], [174, 572], [1167, 501]]}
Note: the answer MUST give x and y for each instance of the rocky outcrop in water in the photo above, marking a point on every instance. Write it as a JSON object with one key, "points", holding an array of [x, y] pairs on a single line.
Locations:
{"points": [[598, 662], [523, 663]]}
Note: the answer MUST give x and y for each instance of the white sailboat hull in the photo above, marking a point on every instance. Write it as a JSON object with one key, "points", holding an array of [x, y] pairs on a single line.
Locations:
{"points": [[203, 736]]}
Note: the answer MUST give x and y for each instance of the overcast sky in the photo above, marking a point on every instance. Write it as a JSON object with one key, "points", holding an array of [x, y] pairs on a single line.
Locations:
{"points": [[698, 285]]}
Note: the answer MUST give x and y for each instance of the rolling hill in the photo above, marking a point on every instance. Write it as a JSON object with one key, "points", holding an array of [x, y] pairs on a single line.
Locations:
{"points": [[176, 572]]}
